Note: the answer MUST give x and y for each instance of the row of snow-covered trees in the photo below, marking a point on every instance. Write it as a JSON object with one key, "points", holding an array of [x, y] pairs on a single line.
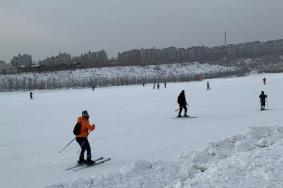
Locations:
{"points": [[16, 82]]}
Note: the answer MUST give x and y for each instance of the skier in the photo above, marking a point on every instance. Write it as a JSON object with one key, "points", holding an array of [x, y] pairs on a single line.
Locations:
{"points": [[207, 86], [262, 97], [158, 86], [154, 85], [164, 84], [30, 95], [182, 104], [82, 138], [264, 81]]}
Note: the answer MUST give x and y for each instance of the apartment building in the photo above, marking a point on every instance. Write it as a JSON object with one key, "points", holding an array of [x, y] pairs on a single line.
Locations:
{"points": [[6, 68], [169, 54], [132, 56], [22, 61], [101, 56], [273, 47], [150, 55], [61, 58], [249, 49], [198, 53]]}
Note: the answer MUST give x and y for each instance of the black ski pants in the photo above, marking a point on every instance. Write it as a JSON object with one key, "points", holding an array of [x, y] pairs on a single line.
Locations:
{"points": [[83, 142], [183, 106], [262, 105]]}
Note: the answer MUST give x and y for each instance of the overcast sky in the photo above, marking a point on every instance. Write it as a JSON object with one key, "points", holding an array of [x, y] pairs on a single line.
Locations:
{"points": [[46, 27]]}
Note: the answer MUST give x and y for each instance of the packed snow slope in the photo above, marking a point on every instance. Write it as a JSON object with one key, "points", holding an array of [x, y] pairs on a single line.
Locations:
{"points": [[149, 147]]}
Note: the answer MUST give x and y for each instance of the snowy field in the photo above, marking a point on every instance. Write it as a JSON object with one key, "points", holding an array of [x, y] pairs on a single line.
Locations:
{"points": [[149, 147]]}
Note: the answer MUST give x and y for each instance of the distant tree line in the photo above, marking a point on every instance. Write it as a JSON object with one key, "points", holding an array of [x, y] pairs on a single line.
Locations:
{"points": [[15, 82]]}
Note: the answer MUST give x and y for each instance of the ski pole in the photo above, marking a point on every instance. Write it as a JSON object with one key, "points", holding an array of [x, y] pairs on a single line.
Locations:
{"points": [[67, 145]]}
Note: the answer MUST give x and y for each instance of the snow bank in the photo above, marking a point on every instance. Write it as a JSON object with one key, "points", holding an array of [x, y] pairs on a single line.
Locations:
{"points": [[251, 159]]}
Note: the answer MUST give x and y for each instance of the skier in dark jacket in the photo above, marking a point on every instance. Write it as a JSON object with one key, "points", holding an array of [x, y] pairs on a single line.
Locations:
{"points": [[207, 86], [264, 81], [182, 103], [262, 97]]}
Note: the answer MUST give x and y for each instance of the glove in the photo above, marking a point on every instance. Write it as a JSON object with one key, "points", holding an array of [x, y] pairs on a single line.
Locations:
{"points": [[93, 126]]}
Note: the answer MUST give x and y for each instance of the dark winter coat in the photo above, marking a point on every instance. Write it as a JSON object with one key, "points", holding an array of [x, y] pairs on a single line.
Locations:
{"points": [[182, 99], [262, 97]]}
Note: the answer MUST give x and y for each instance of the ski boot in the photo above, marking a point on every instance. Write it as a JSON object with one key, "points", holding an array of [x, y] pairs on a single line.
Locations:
{"points": [[90, 162], [185, 115], [179, 116], [82, 161]]}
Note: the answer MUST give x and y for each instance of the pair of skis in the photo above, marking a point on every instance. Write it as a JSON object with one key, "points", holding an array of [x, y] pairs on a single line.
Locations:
{"points": [[97, 161], [182, 117]]}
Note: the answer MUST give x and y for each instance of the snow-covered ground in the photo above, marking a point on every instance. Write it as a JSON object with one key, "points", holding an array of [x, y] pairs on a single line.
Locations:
{"points": [[149, 147], [251, 159]]}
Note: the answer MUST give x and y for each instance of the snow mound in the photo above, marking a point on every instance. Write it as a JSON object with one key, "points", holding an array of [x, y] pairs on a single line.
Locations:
{"points": [[251, 159]]}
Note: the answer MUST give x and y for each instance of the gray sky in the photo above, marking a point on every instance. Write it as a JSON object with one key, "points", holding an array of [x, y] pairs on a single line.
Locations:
{"points": [[46, 27]]}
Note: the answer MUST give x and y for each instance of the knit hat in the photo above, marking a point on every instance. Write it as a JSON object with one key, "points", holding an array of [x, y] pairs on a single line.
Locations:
{"points": [[85, 113]]}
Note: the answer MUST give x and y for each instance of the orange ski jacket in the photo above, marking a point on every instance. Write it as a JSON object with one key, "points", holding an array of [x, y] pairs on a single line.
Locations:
{"points": [[85, 127]]}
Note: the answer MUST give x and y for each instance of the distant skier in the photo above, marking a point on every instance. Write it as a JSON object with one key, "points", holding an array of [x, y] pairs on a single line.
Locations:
{"points": [[264, 81], [207, 86], [30, 95], [164, 84], [263, 98], [182, 104], [82, 140], [143, 84], [93, 88], [158, 86]]}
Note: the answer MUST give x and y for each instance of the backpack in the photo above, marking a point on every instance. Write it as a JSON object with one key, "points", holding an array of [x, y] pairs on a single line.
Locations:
{"points": [[77, 129]]}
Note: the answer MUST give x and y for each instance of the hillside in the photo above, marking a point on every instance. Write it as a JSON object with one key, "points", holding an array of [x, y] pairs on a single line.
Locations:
{"points": [[108, 76]]}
